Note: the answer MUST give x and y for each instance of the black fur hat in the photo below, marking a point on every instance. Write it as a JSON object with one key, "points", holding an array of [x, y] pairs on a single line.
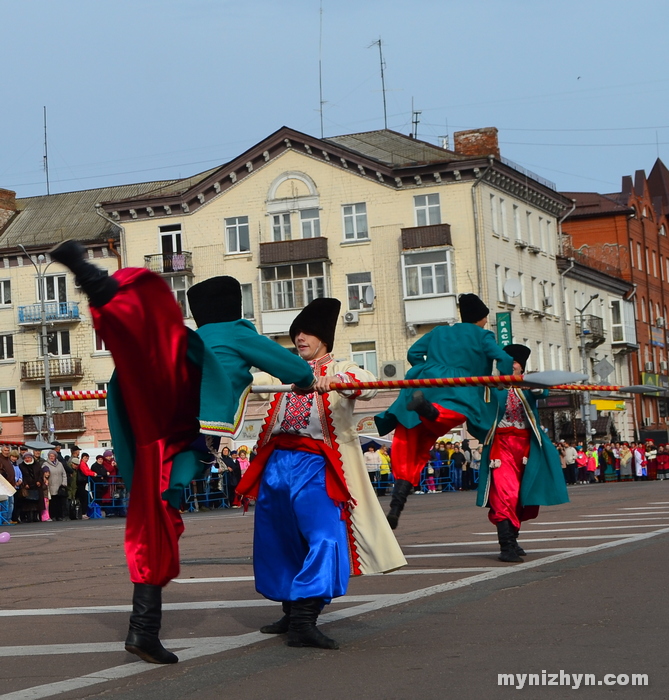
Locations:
{"points": [[319, 319], [472, 309], [216, 300], [520, 353]]}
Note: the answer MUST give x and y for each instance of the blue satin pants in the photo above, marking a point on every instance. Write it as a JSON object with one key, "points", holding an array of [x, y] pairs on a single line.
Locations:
{"points": [[300, 547]]}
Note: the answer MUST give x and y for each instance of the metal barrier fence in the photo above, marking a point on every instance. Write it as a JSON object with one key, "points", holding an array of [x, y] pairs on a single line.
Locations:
{"points": [[444, 477]]}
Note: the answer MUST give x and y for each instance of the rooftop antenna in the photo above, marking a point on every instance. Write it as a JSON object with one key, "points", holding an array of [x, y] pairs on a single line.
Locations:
{"points": [[415, 114], [383, 81], [46, 156], [320, 68]]}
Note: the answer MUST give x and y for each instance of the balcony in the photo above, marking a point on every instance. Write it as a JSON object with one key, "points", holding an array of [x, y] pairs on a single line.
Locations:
{"points": [[55, 312], [432, 236], [59, 368], [297, 250], [592, 329], [69, 422], [170, 263]]}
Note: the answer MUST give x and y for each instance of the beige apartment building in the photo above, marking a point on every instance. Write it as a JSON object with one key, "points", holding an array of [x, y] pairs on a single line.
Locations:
{"points": [[392, 226]]}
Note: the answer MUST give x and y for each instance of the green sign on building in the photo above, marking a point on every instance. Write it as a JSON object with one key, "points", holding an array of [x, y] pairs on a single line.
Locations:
{"points": [[504, 332]]}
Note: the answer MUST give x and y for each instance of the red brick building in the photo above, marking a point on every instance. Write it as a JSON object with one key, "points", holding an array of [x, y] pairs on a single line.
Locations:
{"points": [[627, 230]]}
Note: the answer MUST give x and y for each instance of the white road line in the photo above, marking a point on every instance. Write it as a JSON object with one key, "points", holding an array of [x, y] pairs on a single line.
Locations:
{"points": [[525, 539], [653, 508], [541, 523], [216, 645], [490, 553], [214, 579], [625, 515], [627, 526]]}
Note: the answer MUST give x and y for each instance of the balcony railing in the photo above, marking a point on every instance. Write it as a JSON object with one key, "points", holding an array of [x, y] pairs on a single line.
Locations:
{"points": [[168, 263], [54, 311], [59, 368], [592, 328], [69, 422], [298, 250]]}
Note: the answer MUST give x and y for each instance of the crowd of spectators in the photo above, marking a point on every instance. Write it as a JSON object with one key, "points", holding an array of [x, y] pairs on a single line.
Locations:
{"points": [[47, 485], [606, 462]]}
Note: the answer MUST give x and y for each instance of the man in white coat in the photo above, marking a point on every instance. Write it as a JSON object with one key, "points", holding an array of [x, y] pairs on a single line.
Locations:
{"points": [[317, 520]]}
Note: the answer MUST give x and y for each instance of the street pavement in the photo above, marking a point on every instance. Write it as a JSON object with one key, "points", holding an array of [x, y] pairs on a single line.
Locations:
{"points": [[590, 598]]}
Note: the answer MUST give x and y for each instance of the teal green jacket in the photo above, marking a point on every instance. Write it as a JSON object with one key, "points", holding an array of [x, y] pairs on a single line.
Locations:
{"points": [[461, 350], [543, 483]]}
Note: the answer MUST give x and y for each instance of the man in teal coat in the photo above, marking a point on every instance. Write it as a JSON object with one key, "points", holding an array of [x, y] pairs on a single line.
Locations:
{"points": [[465, 349], [520, 467]]}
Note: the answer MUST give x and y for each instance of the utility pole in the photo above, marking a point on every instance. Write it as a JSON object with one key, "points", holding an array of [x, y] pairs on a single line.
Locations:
{"points": [[584, 368], [44, 340], [46, 155]]}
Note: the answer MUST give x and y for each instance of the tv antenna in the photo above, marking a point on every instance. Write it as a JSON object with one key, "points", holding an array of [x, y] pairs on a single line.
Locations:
{"points": [[383, 81], [415, 120], [46, 155], [320, 69]]}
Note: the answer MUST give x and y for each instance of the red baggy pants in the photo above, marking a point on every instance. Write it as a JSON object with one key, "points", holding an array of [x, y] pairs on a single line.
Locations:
{"points": [[143, 328], [510, 446], [411, 446]]}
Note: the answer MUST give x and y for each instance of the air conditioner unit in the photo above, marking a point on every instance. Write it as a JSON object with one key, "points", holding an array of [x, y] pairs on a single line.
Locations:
{"points": [[520, 244], [392, 370], [351, 317], [548, 301], [664, 365], [648, 367], [660, 322]]}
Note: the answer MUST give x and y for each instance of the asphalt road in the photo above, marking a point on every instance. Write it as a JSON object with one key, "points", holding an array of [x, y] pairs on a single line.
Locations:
{"points": [[591, 599]]}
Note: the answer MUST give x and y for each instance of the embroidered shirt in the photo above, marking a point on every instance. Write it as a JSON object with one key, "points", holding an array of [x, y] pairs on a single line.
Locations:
{"points": [[514, 413]]}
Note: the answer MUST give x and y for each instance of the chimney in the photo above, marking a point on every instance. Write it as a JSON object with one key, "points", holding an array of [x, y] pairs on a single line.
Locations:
{"points": [[477, 143], [7, 206]]}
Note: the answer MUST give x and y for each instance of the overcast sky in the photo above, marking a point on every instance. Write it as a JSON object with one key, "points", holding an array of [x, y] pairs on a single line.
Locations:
{"points": [[140, 90]]}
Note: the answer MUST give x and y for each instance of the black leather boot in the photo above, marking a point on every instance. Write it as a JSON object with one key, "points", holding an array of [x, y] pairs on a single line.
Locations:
{"points": [[142, 637], [280, 626], [506, 542], [401, 492], [99, 287], [515, 531], [302, 631], [422, 406]]}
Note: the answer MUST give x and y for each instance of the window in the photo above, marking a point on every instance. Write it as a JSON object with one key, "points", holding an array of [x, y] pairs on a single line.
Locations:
{"points": [[523, 291], [355, 222], [7, 402], [662, 231], [530, 236], [494, 214], [170, 240], [99, 343], [516, 222], [654, 264], [502, 217], [549, 235], [647, 263], [542, 233], [560, 358], [357, 285], [639, 262], [179, 286], [427, 273], [102, 386], [55, 287], [237, 234], [65, 405], [6, 347], [427, 208], [5, 292], [247, 301], [536, 294], [292, 286], [622, 321], [661, 268], [281, 227], [541, 366], [311, 223], [499, 283], [58, 343], [364, 355]]}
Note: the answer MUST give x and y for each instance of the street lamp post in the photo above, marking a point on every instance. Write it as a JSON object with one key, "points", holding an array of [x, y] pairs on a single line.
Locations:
{"points": [[40, 268], [584, 368]]}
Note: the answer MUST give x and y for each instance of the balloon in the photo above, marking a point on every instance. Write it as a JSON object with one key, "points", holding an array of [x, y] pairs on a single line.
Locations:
{"points": [[4, 537]]}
